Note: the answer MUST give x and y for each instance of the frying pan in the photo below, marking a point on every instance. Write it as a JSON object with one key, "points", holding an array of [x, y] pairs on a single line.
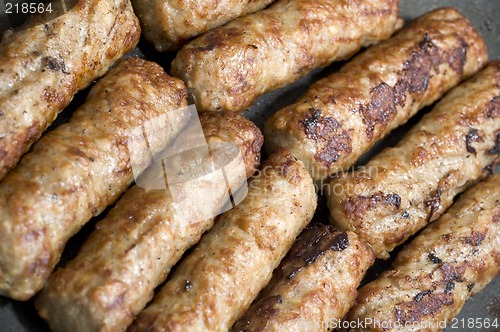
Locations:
{"points": [[22, 317]]}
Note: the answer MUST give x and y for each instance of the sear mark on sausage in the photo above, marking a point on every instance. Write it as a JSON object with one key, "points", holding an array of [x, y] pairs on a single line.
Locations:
{"points": [[312, 243], [414, 78], [355, 207], [266, 310], [434, 203], [409, 312], [472, 136], [327, 129], [496, 148], [433, 258]]}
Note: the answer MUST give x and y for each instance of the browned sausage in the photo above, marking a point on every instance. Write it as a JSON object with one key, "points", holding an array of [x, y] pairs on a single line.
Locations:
{"points": [[314, 286], [41, 68], [230, 66], [215, 284], [78, 169], [133, 249], [342, 116], [170, 23], [404, 188], [433, 276]]}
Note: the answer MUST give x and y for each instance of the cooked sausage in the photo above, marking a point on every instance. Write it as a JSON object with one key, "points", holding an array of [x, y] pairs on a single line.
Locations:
{"points": [[215, 284], [404, 188], [451, 260], [78, 169], [170, 23], [133, 249], [314, 286], [342, 116], [228, 67], [41, 68]]}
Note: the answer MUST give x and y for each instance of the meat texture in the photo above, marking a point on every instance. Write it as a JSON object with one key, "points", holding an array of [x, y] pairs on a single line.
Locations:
{"points": [[42, 67], [168, 24], [228, 67], [433, 276], [80, 168], [314, 286], [342, 116], [404, 188], [133, 249], [216, 283]]}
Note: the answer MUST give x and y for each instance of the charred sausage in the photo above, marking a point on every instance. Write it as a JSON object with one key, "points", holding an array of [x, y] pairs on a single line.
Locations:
{"points": [[342, 116], [445, 265], [314, 286], [404, 188]]}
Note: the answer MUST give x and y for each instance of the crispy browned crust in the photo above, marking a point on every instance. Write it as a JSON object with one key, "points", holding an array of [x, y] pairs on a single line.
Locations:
{"points": [[433, 276], [215, 284], [78, 169], [228, 67], [170, 23], [314, 285], [133, 249], [232, 127], [341, 116], [41, 68], [405, 187]]}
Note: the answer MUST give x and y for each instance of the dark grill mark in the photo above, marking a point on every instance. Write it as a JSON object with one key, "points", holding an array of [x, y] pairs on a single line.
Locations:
{"points": [[433, 258], [330, 131], [311, 244], [406, 215], [264, 311], [471, 286], [311, 122], [380, 110], [496, 148], [451, 273], [54, 64], [357, 206], [421, 295], [448, 288], [414, 79], [475, 239], [472, 136], [433, 203], [187, 285], [414, 311], [493, 108]]}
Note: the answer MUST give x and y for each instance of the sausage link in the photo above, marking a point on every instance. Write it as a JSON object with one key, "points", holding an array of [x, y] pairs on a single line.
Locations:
{"points": [[41, 68], [77, 170], [215, 284], [342, 116], [228, 67], [167, 24], [451, 260], [133, 249], [404, 188], [314, 286]]}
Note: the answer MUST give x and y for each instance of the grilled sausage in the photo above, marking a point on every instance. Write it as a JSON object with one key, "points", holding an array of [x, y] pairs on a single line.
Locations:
{"points": [[433, 276], [170, 23], [133, 249], [216, 283], [405, 187], [78, 169], [342, 116], [314, 286], [228, 67], [41, 68]]}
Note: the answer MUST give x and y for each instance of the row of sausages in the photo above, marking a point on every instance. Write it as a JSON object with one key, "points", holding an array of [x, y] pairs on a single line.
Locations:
{"points": [[80, 168]]}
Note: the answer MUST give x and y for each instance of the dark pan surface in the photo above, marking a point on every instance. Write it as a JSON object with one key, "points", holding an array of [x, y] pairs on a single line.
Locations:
{"points": [[21, 316]]}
